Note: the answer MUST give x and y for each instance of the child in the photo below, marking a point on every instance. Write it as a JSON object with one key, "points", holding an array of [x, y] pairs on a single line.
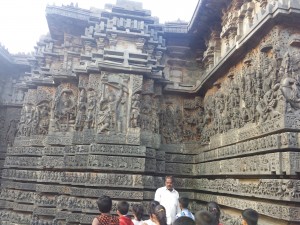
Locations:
{"points": [[152, 206], [105, 218], [204, 218], [214, 209], [250, 217], [138, 212], [158, 215], [183, 204], [122, 210]]}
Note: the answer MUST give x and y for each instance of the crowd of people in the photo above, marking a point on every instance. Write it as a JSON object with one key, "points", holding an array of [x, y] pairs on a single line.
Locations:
{"points": [[167, 208]]}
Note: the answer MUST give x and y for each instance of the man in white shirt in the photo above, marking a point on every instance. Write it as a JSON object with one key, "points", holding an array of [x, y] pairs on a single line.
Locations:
{"points": [[168, 197]]}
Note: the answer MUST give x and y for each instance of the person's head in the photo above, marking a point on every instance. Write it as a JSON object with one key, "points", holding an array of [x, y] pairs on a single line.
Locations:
{"points": [[249, 217], [158, 215], [183, 202], [152, 205], [204, 218], [104, 204], [184, 220], [214, 209], [122, 208], [169, 182], [138, 211]]}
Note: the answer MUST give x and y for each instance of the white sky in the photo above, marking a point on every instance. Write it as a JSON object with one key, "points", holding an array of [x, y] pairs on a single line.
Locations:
{"points": [[22, 22]]}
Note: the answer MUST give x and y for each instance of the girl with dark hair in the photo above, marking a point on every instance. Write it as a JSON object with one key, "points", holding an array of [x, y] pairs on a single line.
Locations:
{"points": [[138, 211], [158, 215], [151, 208], [214, 209]]}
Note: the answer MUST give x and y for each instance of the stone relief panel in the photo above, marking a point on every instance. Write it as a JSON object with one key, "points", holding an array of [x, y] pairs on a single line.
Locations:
{"points": [[109, 103], [279, 189], [150, 113], [171, 120], [79, 178], [64, 108], [267, 164], [35, 114], [281, 141], [181, 120], [9, 119], [257, 90]]}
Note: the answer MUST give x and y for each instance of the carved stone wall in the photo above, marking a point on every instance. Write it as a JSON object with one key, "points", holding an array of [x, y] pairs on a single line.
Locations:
{"points": [[115, 101]]}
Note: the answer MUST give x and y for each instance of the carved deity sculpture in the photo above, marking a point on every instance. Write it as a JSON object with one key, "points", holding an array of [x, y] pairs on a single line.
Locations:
{"points": [[24, 128], [44, 118], [218, 113], [90, 117], [146, 108], [290, 90], [35, 121], [266, 105], [81, 110], [135, 111], [11, 132], [171, 124], [64, 111], [248, 83], [109, 111], [286, 63]]}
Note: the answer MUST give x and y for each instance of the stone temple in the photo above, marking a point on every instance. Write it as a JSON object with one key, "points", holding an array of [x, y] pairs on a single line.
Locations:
{"points": [[112, 101]]}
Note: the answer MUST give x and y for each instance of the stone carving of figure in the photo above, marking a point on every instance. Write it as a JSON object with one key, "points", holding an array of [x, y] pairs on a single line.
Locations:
{"points": [[28, 118], [44, 118], [248, 83], [21, 125], [65, 110], [219, 108], [266, 106], [104, 117], [146, 107], [135, 111], [12, 129], [189, 121], [108, 114], [290, 90], [81, 110], [122, 113], [90, 118], [35, 121], [286, 63], [25, 120], [113, 107]]}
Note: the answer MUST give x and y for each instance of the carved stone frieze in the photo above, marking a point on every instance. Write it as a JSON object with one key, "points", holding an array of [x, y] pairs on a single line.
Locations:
{"points": [[18, 185], [279, 189], [267, 164], [265, 144]]}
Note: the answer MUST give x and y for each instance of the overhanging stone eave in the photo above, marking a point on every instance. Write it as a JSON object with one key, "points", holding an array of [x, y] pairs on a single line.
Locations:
{"points": [[252, 38], [193, 25], [195, 14], [54, 13]]}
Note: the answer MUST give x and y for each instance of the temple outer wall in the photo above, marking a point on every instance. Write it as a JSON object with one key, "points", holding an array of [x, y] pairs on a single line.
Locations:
{"points": [[222, 117]]}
